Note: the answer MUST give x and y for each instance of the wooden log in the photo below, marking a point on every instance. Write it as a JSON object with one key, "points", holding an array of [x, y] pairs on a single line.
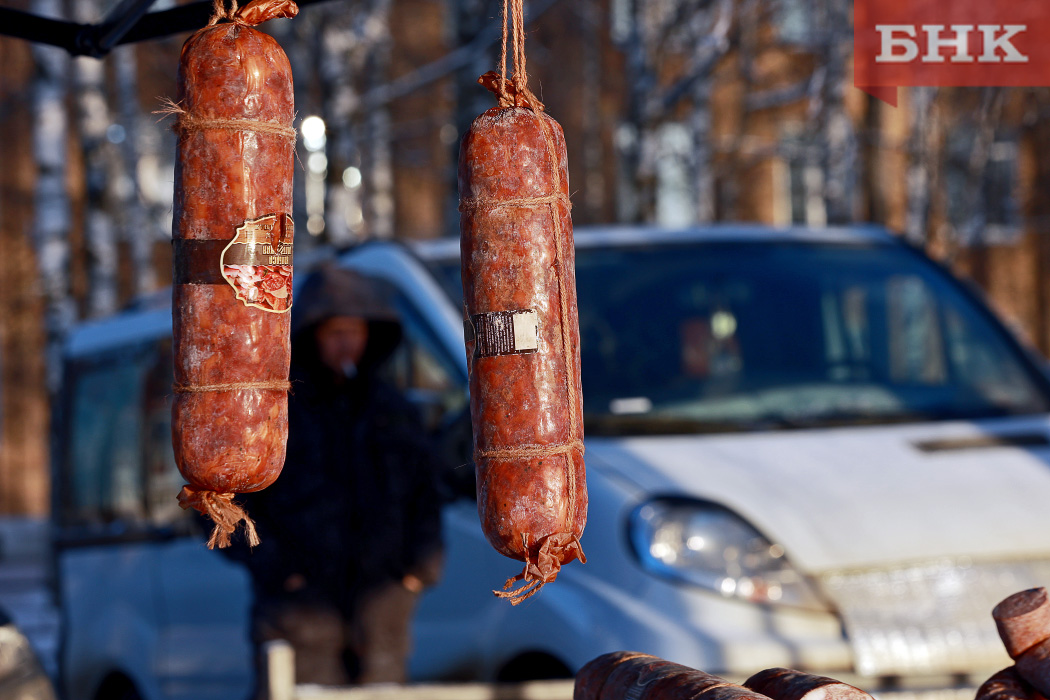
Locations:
{"points": [[632, 677], [592, 676], [635, 676], [698, 685], [1023, 620], [788, 684], [1007, 685]]}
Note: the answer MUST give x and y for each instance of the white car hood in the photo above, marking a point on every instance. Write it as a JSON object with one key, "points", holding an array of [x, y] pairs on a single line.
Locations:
{"points": [[848, 498]]}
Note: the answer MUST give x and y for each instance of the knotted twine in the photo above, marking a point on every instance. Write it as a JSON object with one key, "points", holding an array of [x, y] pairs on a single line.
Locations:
{"points": [[251, 14], [224, 513], [544, 567], [187, 123], [219, 12]]}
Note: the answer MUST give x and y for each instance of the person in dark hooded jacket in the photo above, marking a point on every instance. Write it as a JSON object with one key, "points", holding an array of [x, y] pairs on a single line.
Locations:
{"points": [[351, 530]]}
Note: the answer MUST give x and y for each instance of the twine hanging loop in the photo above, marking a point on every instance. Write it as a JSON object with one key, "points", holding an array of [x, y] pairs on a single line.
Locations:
{"points": [[514, 92]]}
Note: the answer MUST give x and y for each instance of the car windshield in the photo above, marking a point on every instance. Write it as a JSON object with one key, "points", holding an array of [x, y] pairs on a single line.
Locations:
{"points": [[745, 336]]}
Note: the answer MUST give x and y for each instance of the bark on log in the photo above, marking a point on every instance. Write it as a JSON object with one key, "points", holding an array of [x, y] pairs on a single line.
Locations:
{"points": [[1007, 685], [788, 684], [624, 675], [1034, 666], [1023, 620]]}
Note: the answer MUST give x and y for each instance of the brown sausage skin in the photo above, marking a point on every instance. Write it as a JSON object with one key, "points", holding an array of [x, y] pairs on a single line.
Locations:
{"points": [[526, 407], [230, 440]]}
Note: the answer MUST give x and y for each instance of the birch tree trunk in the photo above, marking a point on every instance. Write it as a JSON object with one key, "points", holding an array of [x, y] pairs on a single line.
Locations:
{"points": [[50, 232], [972, 230], [469, 18], [635, 142], [336, 41], [377, 159], [695, 34], [840, 140], [711, 46], [137, 233], [355, 45], [703, 154], [299, 41], [591, 25], [100, 235], [916, 223]]}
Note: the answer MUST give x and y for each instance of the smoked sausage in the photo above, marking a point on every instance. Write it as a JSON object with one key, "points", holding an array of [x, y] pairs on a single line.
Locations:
{"points": [[232, 237], [522, 337]]}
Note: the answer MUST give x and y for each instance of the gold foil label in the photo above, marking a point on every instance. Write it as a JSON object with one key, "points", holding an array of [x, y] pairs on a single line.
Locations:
{"points": [[257, 263]]}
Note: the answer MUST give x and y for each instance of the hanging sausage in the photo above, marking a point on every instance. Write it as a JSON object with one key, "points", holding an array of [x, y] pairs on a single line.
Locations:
{"points": [[232, 262], [522, 329]]}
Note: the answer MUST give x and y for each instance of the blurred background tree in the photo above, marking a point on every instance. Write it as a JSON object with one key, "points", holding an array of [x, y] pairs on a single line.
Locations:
{"points": [[676, 112]]}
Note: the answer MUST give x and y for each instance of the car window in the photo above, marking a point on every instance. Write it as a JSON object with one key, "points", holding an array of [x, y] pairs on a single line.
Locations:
{"points": [[119, 464], [730, 336], [423, 373], [162, 478], [741, 336], [105, 481]]}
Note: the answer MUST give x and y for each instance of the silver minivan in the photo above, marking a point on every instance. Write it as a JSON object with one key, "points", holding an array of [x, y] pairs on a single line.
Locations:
{"points": [[812, 449]]}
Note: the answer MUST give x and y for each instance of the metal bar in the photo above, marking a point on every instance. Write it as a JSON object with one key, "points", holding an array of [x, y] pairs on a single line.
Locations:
{"points": [[121, 18], [39, 30], [98, 39], [184, 18]]}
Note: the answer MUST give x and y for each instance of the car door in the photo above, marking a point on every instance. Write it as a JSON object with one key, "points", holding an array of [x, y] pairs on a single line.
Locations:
{"points": [[145, 605], [204, 599], [104, 560]]}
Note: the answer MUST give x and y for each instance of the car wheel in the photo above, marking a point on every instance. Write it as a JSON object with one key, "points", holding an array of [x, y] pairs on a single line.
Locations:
{"points": [[117, 687], [533, 666]]}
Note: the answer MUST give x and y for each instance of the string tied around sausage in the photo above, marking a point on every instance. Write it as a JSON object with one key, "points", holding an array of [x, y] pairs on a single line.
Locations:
{"points": [[531, 451], [226, 515], [542, 568], [219, 12], [514, 92], [275, 385], [187, 123], [490, 203]]}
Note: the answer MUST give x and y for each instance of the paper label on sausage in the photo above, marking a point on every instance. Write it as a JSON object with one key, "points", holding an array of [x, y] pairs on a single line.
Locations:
{"points": [[504, 333], [257, 263]]}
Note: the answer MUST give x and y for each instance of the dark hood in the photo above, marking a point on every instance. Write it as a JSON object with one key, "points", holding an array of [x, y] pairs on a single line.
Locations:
{"points": [[331, 291]]}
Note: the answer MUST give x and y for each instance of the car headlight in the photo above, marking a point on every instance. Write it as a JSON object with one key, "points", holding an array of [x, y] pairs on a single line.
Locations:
{"points": [[708, 545]]}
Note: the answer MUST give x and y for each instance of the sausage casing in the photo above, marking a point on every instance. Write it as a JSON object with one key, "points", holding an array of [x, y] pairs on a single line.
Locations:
{"points": [[232, 256], [522, 333]]}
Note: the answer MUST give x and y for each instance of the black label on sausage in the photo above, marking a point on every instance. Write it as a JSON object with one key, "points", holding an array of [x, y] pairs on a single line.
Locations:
{"points": [[194, 260], [504, 333]]}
